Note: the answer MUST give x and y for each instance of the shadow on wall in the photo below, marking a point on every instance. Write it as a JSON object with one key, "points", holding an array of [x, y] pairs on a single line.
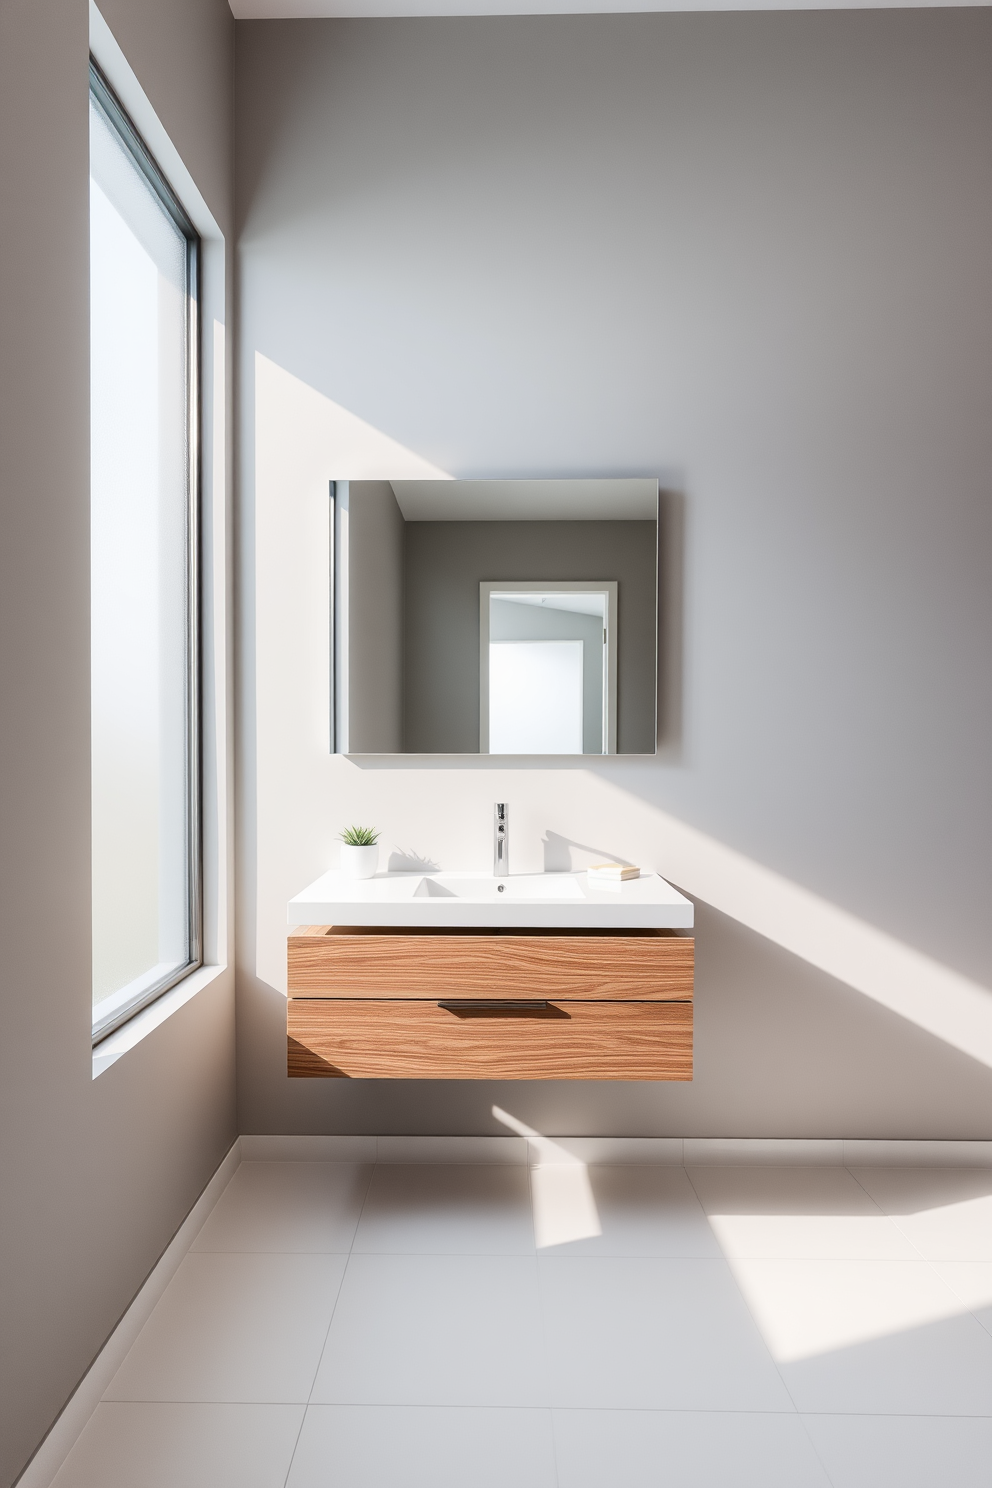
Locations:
{"points": [[559, 856], [300, 435], [781, 1050], [407, 860], [936, 998], [923, 991]]}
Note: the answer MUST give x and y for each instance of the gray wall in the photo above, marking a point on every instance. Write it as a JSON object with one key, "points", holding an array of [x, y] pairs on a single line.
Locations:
{"points": [[375, 602], [445, 563], [95, 1175], [749, 252]]}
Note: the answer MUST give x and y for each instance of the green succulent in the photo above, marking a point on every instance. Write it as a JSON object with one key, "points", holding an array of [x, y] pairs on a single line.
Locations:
{"points": [[359, 837]]}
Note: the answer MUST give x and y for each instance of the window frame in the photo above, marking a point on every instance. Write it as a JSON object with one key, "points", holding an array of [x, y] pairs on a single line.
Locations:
{"points": [[106, 100]]}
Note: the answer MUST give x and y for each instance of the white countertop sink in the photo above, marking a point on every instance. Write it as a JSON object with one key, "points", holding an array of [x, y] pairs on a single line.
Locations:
{"points": [[534, 901]]}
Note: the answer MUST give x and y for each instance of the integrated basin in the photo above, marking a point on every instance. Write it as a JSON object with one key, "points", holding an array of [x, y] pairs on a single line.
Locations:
{"points": [[519, 901], [527, 886]]}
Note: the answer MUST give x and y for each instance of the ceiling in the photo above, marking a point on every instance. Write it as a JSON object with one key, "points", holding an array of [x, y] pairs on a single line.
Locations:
{"points": [[621, 500], [257, 10], [591, 603]]}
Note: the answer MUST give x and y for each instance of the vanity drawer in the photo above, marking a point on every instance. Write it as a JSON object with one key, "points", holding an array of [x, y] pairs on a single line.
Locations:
{"points": [[644, 966], [420, 1040]]}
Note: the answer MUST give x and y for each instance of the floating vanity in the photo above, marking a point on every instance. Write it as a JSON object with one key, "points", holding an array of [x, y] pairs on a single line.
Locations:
{"points": [[470, 977], [523, 620]]}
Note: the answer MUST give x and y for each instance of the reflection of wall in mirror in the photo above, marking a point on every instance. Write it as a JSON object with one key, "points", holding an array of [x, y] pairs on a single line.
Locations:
{"points": [[444, 564], [375, 619]]}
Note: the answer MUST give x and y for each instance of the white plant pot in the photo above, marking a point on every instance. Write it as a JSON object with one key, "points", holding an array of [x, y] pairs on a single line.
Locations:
{"points": [[359, 862]]}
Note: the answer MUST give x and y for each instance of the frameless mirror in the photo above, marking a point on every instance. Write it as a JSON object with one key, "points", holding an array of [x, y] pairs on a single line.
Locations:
{"points": [[494, 617]]}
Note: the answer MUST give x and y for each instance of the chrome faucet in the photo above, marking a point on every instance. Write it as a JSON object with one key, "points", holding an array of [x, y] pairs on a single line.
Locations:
{"points": [[501, 840]]}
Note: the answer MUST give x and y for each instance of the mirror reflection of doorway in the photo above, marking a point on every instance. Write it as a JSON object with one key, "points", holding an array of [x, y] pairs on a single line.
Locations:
{"points": [[535, 697], [548, 667]]}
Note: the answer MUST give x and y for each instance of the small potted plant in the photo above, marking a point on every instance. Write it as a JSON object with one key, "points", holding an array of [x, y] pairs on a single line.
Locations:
{"points": [[359, 852]]}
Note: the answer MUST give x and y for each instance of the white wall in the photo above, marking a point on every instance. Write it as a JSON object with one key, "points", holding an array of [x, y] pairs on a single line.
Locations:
{"points": [[95, 1174], [747, 253]]}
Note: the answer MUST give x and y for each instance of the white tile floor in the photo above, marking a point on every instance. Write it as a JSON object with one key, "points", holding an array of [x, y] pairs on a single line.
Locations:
{"points": [[397, 1326]]}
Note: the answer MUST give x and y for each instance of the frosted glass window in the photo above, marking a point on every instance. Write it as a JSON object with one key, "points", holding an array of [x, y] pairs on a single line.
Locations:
{"points": [[535, 697], [143, 677]]}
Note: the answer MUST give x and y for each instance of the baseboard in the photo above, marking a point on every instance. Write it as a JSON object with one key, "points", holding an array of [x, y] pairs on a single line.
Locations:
{"points": [[697, 1151], [384, 1149], [451, 1150], [847, 1151], [308, 1149], [665, 1151], [625, 1151], [929, 1154], [89, 1392]]}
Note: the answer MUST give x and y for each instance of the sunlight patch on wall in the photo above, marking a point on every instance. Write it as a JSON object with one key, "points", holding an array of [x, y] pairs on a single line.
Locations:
{"points": [[292, 416], [940, 1001], [302, 442]]}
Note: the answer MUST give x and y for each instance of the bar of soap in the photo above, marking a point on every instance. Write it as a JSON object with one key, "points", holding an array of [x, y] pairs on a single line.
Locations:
{"points": [[613, 872]]}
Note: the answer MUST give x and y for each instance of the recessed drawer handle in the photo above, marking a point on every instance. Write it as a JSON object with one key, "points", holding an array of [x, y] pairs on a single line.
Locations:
{"points": [[480, 1005]]}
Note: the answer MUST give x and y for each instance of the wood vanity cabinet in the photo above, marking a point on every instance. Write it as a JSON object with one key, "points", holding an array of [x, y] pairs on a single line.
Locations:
{"points": [[432, 1004]]}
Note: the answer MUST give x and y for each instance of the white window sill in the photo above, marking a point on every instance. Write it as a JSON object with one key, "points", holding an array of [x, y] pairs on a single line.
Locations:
{"points": [[142, 1024]]}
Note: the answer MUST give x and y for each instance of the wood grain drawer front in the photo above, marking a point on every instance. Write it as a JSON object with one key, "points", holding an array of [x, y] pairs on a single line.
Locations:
{"points": [[411, 1040], [645, 967]]}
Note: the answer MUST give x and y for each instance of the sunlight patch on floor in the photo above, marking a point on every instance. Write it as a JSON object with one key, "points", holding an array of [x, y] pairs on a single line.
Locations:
{"points": [[564, 1206], [804, 1308], [808, 1236]]}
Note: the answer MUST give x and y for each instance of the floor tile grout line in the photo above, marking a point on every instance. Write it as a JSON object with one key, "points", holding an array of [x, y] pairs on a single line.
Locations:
{"points": [[647, 1410], [923, 1258], [872, 1200], [927, 1260], [544, 1330], [296, 1443], [334, 1308], [802, 1424], [545, 1255], [750, 1314], [915, 1415], [812, 1445]]}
